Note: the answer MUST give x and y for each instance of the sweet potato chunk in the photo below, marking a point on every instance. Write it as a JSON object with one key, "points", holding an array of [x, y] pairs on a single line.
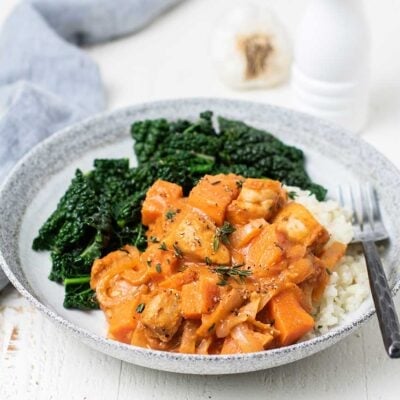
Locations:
{"points": [[332, 254], [265, 252], [122, 321], [159, 263], [259, 198], [199, 297], [299, 226], [213, 194], [158, 199], [289, 317]]}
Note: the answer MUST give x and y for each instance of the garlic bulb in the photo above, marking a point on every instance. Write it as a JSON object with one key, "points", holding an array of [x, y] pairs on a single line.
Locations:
{"points": [[250, 48]]}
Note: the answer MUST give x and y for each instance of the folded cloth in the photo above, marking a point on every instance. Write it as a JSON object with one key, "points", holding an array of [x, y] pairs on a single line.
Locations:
{"points": [[46, 82]]}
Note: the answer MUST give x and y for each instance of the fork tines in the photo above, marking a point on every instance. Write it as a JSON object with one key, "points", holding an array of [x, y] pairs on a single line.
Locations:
{"points": [[363, 203]]}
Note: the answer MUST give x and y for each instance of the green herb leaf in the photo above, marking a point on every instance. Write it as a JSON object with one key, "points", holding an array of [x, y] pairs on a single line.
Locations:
{"points": [[239, 184], [163, 246], [221, 235], [153, 239], [233, 271], [140, 308], [158, 268], [292, 195], [170, 214], [208, 260], [177, 251], [215, 243]]}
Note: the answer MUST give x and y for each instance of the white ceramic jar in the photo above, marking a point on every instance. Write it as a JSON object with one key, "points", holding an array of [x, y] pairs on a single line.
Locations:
{"points": [[331, 68]]}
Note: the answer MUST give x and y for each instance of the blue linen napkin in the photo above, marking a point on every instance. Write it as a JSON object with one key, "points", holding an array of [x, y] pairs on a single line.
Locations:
{"points": [[46, 82]]}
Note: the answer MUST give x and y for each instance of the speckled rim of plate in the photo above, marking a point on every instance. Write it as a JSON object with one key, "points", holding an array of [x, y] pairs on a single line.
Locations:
{"points": [[186, 363]]}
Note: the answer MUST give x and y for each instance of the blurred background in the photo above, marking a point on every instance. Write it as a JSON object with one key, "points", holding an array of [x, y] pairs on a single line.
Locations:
{"points": [[171, 58]]}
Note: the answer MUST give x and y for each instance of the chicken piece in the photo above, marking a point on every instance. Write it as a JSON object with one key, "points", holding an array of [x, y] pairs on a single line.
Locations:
{"points": [[162, 315], [259, 198], [194, 235], [243, 235], [264, 253], [159, 198], [213, 194], [300, 227]]}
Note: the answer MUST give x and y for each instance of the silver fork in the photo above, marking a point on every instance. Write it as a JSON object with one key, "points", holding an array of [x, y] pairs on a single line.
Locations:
{"points": [[368, 229]]}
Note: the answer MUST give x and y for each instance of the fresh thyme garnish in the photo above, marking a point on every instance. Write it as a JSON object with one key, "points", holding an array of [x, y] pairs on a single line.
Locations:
{"points": [[221, 235], [177, 251], [140, 308], [158, 268], [163, 246], [215, 243], [170, 214], [239, 184], [292, 195], [208, 260], [234, 271], [153, 239]]}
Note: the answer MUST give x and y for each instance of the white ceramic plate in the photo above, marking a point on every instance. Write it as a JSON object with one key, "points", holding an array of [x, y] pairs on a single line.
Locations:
{"points": [[34, 187]]}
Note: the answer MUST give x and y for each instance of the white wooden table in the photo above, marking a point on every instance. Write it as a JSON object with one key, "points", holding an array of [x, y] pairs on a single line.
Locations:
{"points": [[170, 59]]}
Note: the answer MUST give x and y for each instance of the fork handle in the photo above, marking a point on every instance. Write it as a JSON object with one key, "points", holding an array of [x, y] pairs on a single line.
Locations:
{"points": [[385, 310]]}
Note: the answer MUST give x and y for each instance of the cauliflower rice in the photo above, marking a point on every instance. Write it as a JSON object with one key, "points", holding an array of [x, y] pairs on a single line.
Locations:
{"points": [[348, 285]]}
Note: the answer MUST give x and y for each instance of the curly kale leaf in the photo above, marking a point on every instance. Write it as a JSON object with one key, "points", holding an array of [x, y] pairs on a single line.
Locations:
{"points": [[158, 139], [77, 204], [253, 152], [99, 213], [183, 168], [76, 261], [183, 151], [79, 295]]}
